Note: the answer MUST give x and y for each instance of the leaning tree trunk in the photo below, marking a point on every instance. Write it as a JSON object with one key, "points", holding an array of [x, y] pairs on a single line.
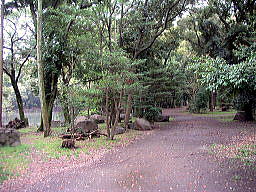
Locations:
{"points": [[117, 114], [19, 101]]}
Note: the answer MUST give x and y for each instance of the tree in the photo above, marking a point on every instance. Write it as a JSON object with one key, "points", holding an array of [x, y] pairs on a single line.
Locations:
{"points": [[1, 60], [41, 76], [147, 22], [19, 50], [238, 79]]}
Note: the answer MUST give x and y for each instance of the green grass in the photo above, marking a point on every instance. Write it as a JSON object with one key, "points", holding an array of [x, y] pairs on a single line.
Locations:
{"points": [[28, 130], [13, 159], [102, 126], [220, 112], [171, 118], [4, 175], [56, 131], [215, 113], [236, 177], [246, 151]]}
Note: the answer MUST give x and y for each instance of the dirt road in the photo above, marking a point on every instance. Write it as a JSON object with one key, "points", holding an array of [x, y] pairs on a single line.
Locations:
{"points": [[175, 157]]}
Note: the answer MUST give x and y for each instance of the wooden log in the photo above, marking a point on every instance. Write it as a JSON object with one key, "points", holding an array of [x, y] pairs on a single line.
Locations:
{"points": [[69, 136]]}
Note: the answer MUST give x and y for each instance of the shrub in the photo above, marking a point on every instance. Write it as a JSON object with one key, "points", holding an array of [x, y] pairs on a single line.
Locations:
{"points": [[151, 113], [200, 103]]}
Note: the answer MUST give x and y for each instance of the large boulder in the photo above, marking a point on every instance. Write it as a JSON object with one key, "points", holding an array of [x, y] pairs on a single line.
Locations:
{"points": [[119, 130], [142, 124], [9, 137], [80, 118], [86, 126], [98, 118]]}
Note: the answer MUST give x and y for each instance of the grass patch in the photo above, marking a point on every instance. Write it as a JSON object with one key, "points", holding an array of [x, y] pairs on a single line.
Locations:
{"points": [[215, 113], [245, 153], [171, 118], [56, 131], [28, 130], [13, 160], [102, 126], [236, 177], [4, 175], [220, 112], [50, 147]]}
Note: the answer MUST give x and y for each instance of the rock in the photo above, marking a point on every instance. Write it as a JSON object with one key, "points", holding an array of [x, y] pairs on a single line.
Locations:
{"points": [[98, 118], [80, 118], [142, 124], [16, 124], [162, 118], [9, 137], [119, 130], [131, 126], [16, 143], [242, 116], [86, 126]]}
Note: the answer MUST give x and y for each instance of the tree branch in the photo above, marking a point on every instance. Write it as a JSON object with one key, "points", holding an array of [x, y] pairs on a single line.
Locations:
{"points": [[23, 63], [7, 72], [161, 28]]}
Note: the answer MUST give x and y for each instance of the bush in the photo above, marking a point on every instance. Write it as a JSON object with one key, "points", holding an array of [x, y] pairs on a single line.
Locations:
{"points": [[151, 113], [200, 104]]}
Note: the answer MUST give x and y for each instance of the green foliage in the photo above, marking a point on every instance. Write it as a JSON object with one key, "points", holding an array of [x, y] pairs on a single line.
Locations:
{"points": [[12, 159], [151, 113], [201, 101]]}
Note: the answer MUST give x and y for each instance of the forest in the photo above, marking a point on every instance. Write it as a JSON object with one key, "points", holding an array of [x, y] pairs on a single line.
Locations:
{"points": [[126, 62]]}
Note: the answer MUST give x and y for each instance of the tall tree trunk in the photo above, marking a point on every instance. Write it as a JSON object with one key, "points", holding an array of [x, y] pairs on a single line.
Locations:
{"points": [[19, 101], [49, 104], [210, 102], [214, 99], [1, 60], [128, 110], [44, 109]]}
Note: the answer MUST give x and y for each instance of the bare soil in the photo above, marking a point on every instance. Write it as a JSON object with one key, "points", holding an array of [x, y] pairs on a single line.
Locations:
{"points": [[177, 156]]}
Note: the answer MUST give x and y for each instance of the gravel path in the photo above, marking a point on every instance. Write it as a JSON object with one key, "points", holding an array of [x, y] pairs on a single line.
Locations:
{"points": [[175, 157]]}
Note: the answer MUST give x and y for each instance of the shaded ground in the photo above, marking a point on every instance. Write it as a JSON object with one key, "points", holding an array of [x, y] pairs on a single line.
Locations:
{"points": [[177, 156]]}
